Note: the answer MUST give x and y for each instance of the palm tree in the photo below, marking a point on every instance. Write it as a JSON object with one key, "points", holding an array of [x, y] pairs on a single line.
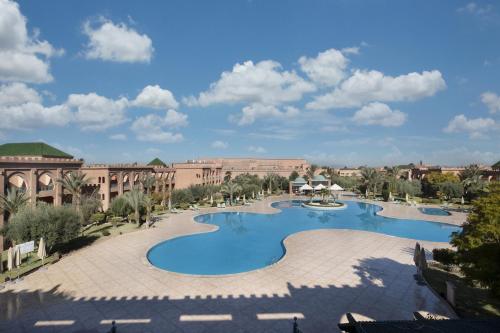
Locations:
{"points": [[311, 171], [394, 173], [148, 181], [13, 201], [370, 178], [230, 188], [270, 179], [227, 176], [135, 198], [74, 182], [324, 193]]}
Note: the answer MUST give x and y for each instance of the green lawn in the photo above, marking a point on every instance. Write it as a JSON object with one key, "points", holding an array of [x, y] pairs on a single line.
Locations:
{"points": [[471, 301]]}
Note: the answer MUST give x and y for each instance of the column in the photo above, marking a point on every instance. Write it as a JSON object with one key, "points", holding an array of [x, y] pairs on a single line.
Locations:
{"points": [[106, 190], [58, 189], [33, 181], [120, 182], [131, 179], [2, 191]]}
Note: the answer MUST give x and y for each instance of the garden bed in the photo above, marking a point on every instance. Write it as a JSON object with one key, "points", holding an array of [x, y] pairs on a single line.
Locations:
{"points": [[324, 205]]}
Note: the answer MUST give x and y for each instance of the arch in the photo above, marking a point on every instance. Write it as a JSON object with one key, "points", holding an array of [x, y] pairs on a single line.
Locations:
{"points": [[45, 181], [17, 180]]}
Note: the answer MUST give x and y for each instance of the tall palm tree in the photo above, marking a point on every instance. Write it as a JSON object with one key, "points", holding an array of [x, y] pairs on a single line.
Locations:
{"points": [[394, 174], [135, 198], [370, 178], [73, 182], [228, 176], [330, 173], [148, 181], [270, 180], [311, 171], [13, 201], [231, 188]]}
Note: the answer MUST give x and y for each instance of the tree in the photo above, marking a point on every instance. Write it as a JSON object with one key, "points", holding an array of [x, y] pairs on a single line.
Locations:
{"points": [[120, 207], [294, 175], [135, 198], [393, 174], [430, 183], [231, 188], [371, 178], [270, 180], [73, 182], [227, 176], [311, 171], [473, 184], [13, 201], [478, 243], [330, 173], [450, 190], [325, 193], [148, 181], [90, 204], [182, 197]]}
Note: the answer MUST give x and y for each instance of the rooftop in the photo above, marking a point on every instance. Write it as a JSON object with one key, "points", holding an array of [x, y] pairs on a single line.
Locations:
{"points": [[32, 149], [319, 178], [157, 162], [299, 180]]}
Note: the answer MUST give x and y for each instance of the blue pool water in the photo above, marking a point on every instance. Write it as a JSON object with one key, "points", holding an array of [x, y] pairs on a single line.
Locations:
{"points": [[247, 241], [434, 211]]}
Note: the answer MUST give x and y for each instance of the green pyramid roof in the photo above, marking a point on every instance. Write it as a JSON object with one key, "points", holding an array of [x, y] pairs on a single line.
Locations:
{"points": [[157, 162], [31, 149]]}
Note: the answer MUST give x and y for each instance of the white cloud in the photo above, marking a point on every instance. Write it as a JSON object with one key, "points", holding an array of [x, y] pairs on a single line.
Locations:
{"points": [[367, 86], [328, 68], [97, 113], [118, 137], [257, 149], [379, 114], [492, 101], [155, 128], [475, 9], [22, 57], [264, 82], [219, 144], [21, 108], [156, 98], [117, 42], [476, 128], [255, 111]]}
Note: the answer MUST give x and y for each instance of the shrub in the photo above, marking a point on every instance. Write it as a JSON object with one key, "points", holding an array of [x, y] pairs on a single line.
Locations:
{"points": [[120, 207], [184, 205], [89, 205], [115, 220], [445, 256], [105, 233], [158, 208], [57, 225], [182, 197], [214, 204], [98, 218], [431, 201]]}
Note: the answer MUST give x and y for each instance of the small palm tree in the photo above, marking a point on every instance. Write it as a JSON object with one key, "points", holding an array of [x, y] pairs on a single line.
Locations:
{"points": [[231, 188], [135, 198], [228, 176], [311, 171], [270, 179], [324, 194], [370, 178], [73, 182], [13, 201]]}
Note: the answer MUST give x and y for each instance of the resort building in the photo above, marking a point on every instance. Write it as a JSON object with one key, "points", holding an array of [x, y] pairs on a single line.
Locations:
{"points": [[34, 168], [198, 172], [421, 170], [296, 184], [349, 172], [261, 166]]}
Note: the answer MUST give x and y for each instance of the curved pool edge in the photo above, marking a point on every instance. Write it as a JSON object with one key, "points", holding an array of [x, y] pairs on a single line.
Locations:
{"points": [[274, 210]]}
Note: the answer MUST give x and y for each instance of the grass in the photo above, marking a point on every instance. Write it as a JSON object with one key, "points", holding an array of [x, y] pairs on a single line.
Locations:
{"points": [[89, 236], [471, 301]]}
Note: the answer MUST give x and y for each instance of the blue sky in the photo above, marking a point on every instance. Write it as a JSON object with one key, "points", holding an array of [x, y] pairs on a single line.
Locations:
{"points": [[336, 82]]}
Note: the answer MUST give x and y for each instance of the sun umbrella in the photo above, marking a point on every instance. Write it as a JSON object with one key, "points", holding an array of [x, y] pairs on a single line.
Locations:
{"points": [[306, 187], [42, 251], [10, 259], [244, 199], [407, 198], [366, 193], [319, 187], [211, 199], [18, 256], [463, 201], [336, 187], [390, 196], [253, 194]]}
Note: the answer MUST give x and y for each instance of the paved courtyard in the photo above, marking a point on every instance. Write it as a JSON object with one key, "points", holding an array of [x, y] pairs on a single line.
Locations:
{"points": [[324, 274]]}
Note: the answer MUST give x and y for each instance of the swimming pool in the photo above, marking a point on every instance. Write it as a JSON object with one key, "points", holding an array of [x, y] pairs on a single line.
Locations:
{"points": [[248, 241], [434, 211]]}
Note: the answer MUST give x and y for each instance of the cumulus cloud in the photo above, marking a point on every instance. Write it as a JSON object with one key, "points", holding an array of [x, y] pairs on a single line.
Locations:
{"points": [[250, 113], [475, 9], [156, 98], [118, 137], [264, 82], [476, 128], [328, 68], [379, 114], [23, 57], [97, 113], [367, 86], [219, 144], [21, 108], [155, 128], [257, 149], [492, 101], [117, 42]]}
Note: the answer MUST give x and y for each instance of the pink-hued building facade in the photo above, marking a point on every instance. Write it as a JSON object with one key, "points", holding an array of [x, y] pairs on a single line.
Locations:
{"points": [[262, 166]]}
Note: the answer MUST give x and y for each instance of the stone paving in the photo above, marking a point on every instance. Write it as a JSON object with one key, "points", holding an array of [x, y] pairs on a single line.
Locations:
{"points": [[324, 274]]}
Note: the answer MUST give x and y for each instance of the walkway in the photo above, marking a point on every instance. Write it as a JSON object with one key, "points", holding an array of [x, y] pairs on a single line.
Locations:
{"points": [[324, 274]]}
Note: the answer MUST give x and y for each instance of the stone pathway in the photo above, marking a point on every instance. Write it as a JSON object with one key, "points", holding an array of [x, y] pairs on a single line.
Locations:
{"points": [[324, 274]]}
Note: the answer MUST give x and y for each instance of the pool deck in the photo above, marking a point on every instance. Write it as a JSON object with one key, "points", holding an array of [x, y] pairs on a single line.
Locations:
{"points": [[324, 274]]}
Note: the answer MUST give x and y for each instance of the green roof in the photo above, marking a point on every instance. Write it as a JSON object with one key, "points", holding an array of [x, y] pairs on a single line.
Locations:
{"points": [[31, 149], [496, 165], [299, 180], [319, 178], [157, 162]]}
